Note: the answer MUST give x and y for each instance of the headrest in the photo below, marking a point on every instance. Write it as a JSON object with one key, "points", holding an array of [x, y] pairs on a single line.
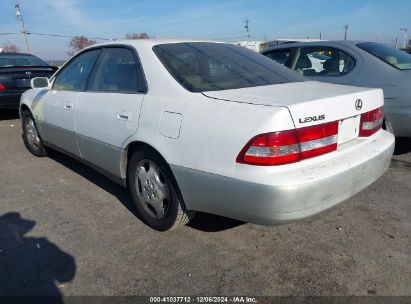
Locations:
{"points": [[391, 60], [331, 65], [304, 63]]}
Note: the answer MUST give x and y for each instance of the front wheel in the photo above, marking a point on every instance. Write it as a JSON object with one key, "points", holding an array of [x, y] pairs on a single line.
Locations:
{"points": [[31, 135], [155, 193]]}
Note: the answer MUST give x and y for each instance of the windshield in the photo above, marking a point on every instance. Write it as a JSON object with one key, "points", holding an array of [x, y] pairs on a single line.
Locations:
{"points": [[393, 57], [203, 66], [7, 61]]}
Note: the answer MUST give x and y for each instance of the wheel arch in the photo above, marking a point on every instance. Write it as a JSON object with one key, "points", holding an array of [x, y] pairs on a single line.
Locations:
{"points": [[128, 152], [130, 149], [23, 107]]}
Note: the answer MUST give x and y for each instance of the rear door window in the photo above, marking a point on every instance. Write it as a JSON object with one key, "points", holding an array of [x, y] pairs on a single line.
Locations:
{"points": [[323, 61], [281, 56]]}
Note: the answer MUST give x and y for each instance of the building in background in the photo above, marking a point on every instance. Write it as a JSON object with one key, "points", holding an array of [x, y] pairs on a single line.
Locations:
{"points": [[258, 46]]}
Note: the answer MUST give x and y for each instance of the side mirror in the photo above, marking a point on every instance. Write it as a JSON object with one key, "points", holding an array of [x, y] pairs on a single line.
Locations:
{"points": [[39, 82]]}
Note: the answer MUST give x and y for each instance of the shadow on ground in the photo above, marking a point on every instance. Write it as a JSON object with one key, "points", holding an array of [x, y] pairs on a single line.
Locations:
{"points": [[7, 114], [202, 221], [30, 266], [402, 145]]}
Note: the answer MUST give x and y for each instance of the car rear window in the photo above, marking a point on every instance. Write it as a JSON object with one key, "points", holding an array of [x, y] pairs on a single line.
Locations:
{"points": [[19, 60], [390, 55], [206, 66]]}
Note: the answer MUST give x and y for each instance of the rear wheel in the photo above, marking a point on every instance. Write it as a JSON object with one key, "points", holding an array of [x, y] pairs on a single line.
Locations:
{"points": [[31, 137], [155, 192]]}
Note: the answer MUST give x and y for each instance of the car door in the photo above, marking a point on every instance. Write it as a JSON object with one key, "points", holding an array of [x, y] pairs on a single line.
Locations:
{"points": [[325, 63], [108, 112], [58, 105]]}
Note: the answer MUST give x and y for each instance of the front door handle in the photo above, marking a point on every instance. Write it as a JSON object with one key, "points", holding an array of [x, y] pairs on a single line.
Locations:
{"points": [[68, 106]]}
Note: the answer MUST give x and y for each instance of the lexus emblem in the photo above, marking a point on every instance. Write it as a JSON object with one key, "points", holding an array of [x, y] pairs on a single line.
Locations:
{"points": [[358, 104], [28, 73]]}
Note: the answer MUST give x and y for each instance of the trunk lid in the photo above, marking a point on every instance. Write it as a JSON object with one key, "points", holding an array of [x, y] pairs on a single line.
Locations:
{"points": [[18, 78], [312, 103]]}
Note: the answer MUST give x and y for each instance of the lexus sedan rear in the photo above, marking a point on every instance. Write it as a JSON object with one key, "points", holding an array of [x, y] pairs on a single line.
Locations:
{"points": [[201, 126]]}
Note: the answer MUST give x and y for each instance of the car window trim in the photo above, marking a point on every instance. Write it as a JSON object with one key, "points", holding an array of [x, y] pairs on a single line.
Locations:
{"points": [[142, 87], [329, 47], [53, 80]]}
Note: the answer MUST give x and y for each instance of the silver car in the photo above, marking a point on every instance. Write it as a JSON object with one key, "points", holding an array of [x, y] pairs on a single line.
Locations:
{"points": [[363, 64]]}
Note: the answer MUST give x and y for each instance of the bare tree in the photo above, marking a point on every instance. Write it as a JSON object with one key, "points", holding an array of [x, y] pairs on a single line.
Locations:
{"points": [[10, 47], [134, 36], [78, 43]]}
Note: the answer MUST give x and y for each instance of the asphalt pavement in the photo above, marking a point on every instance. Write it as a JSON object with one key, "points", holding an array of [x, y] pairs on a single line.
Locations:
{"points": [[67, 230]]}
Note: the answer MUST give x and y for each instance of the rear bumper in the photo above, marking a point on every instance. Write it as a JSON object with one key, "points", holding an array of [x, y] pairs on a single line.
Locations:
{"points": [[10, 100], [273, 195]]}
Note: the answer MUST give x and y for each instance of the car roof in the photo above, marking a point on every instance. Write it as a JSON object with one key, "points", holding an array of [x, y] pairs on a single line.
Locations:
{"points": [[349, 43], [149, 42], [15, 54]]}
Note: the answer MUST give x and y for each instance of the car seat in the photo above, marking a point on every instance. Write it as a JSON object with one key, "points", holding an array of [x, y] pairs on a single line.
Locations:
{"points": [[331, 68], [304, 66]]}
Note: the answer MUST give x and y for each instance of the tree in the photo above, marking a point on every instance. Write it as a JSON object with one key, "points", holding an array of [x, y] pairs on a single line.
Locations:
{"points": [[78, 43], [10, 47], [135, 36]]}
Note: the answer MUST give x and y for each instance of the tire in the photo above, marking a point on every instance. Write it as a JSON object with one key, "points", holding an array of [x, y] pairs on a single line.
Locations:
{"points": [[31, 137], [155, 192]]}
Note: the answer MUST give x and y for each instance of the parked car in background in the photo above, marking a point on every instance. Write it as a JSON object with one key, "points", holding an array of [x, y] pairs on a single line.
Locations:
{"points": [[16, 72], [212, 127], [363, 64]]}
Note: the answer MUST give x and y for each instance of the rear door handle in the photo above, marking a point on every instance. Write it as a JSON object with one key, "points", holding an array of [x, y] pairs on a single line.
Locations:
{"points": [[68, 106], [124, 115]]}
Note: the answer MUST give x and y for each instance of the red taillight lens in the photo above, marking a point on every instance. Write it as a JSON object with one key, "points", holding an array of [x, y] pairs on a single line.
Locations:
{"points": [[2, 87], [371, 122], [284, 147], [318, 140]]}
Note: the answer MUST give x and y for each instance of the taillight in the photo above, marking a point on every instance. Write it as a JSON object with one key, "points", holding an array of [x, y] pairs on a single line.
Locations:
{"points": [[284, 147], [2, 87], [371, 122]]}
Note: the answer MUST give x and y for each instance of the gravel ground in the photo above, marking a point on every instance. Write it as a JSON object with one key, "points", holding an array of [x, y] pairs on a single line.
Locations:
{"points": [[67, 230]]}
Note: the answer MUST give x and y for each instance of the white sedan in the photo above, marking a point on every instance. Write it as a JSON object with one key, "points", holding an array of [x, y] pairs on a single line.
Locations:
{"points": [[200, 126]]}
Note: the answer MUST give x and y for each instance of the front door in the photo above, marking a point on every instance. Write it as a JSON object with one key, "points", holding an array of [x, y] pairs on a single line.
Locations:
{"points": [[57, 107]]}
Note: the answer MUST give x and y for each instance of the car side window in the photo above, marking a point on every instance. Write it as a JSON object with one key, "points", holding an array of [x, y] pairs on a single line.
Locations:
{"points": [[323, 61], [74, 76], [116, 71], [280, 56]]}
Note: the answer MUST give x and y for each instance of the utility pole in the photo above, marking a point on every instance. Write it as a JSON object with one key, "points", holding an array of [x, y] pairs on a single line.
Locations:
{"points": [[346, 27], [321, 36], [23, 30], [247, 29], [405, 35]]}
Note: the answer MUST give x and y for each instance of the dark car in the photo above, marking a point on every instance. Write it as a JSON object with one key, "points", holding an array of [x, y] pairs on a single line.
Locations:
{"points": [[16, 72]]}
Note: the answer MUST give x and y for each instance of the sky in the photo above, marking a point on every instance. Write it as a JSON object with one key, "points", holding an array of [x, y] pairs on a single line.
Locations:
{"points": [[373, 20]]}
